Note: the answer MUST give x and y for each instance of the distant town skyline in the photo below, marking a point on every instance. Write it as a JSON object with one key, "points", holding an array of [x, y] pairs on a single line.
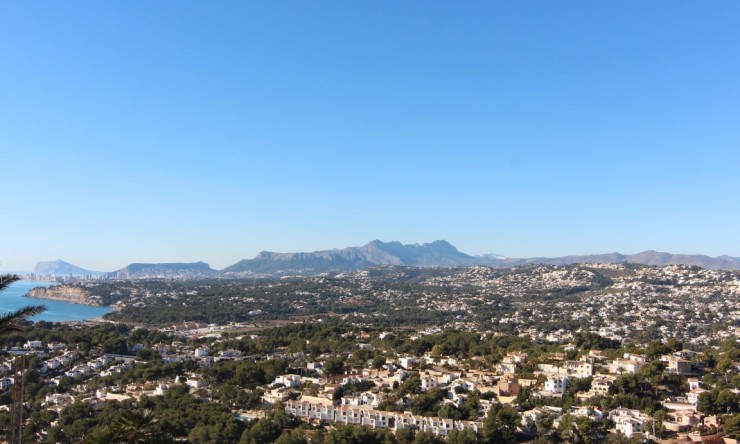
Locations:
{"points": [[184, 131]]}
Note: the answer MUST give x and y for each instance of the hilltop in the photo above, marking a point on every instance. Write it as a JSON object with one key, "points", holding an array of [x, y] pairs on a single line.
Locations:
{"points": [[62, 268]]}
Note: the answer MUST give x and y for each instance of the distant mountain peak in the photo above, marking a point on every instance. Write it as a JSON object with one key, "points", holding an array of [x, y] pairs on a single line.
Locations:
{"points": [[163, 270], [441, 245], [61, 268]]}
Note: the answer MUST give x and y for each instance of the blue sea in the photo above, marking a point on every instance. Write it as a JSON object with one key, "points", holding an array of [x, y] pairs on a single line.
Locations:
{"points": [[14, 297]]}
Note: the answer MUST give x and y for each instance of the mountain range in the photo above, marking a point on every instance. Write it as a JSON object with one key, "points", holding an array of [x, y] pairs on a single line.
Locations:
{"points": [[435, 254]]}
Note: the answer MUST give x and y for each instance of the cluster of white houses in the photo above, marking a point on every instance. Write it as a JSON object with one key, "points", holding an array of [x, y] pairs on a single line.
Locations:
{"points": [[311, 408], [363, 408]]}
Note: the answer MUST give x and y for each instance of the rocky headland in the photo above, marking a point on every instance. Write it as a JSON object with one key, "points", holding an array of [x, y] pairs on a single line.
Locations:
{"points": [[65, 293]]}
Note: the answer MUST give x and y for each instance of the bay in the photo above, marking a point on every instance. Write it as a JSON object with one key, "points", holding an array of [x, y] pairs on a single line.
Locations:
{"points": [[14, 297]]}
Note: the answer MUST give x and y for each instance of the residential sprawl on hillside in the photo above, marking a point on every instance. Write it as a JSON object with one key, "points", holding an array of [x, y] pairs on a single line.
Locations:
{"points": [[539, 353]]}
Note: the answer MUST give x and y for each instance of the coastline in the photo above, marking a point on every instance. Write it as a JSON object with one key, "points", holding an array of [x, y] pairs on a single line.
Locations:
{"points": [[58, 309], [69, 294]]}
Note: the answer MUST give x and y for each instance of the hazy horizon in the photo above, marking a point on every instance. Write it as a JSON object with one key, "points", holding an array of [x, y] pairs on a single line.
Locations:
{"points": [[185, 131], [217, 266]]}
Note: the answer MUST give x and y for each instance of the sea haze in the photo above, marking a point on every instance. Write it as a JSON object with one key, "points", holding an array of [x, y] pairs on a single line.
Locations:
{"points": [[14, 297]]}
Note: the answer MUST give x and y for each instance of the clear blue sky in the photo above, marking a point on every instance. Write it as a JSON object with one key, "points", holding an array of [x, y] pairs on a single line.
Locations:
{"points": [[182, 131]]}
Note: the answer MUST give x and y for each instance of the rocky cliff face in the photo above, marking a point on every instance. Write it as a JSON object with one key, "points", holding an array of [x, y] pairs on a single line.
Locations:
{"points": [[65, 293]]}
